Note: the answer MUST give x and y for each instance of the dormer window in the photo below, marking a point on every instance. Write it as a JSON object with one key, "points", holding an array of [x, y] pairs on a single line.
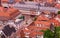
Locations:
{"points": [[39, 25]]}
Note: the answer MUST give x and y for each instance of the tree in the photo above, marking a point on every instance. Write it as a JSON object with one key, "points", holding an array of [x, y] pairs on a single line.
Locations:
{"points": [[21, 17], [58, 12], [57, 32], [48, 34], [35, 18]]}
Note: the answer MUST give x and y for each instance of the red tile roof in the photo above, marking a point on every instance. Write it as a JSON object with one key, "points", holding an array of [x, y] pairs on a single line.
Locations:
{"points": [[4, 1], [56, 22], [9, 14], [42, 17], [34, 30], [18, 33], [57, 5], [58, 16]]}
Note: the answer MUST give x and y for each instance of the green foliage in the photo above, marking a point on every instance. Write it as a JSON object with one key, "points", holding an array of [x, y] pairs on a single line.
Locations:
{"points": [[42, 30], [58, 12], [57, 32], [21, 17], [49, 34], [35, 18]]}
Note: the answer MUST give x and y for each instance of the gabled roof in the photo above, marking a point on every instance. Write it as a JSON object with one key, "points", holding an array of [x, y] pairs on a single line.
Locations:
{"points": [[47, 23], [33, 30], [10, 13], [42, 20]]}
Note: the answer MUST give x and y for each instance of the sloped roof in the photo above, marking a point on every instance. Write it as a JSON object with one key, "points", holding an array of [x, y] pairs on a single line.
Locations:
{"points": [[8, 14], [34, 30], [12, 0], [57, 5], [42, 20], [4, 1], [42, 17], [17, 0], [56, 22], [47, 23]]}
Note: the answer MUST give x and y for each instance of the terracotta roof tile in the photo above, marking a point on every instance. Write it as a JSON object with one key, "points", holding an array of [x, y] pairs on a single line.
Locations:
{"points": [[56, 22], [58, 16], [17, 0], [43, 23], [34, 30], [4, 0], [10, 13], [32, 34], [26, 30], [39, 33], [42, 17], [18, 33]]}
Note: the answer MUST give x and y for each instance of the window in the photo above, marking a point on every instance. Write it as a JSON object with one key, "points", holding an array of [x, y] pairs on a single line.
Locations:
{"points": [[39, 25]]}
